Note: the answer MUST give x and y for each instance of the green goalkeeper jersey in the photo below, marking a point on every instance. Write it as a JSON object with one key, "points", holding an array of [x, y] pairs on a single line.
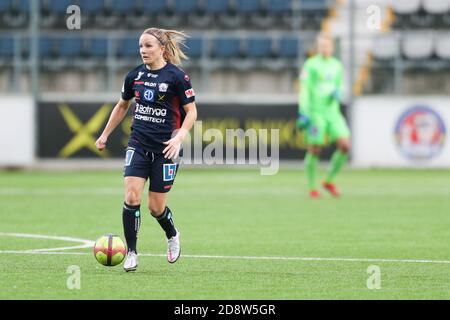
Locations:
{"points": [[321, 86]]}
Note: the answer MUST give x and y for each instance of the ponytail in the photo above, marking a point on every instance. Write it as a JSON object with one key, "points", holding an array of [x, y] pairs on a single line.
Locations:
{"points": [[172, 40]]}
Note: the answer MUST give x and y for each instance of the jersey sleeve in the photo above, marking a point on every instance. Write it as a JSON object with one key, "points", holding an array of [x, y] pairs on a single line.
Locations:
{"points": [[127, 87], [306, 84], [184, 89]]}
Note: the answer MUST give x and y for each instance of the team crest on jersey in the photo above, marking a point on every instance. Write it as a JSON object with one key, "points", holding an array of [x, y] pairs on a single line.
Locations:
{"points": [[186, 77], [169, 171], [149, 95], [189, 93], [163, 87]]}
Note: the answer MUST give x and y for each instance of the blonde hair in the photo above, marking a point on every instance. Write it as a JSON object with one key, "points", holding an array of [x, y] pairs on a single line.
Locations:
{"points": [[172, 40]]}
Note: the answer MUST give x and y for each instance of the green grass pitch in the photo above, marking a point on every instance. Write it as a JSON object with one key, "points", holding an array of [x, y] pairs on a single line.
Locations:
{"points": [[244, 236]]}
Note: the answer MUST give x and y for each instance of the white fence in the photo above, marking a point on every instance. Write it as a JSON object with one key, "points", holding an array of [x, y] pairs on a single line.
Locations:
{"points": [[17, 130]]}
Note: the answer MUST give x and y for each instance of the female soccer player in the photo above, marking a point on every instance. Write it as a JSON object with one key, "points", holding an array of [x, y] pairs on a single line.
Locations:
{"points": [[165, 112], [319, 113]]}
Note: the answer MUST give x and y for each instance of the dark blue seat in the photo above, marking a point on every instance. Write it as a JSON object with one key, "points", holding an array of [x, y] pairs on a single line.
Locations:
{"points": [[248, 6], [70, 47], [259, 47], [97, 47], [279, 6], [227, 47], [194, 47], [59, 6], [123, 6], [217, 6], [5, 5], [289, 47], [185, 6], [22, 6], [128, 47], [313, 4], [46, 47], [91, 6], [154, 6], [6, 46]]}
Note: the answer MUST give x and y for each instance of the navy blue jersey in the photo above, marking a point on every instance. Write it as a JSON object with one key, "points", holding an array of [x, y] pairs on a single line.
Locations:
{"points": [[160, 96]]}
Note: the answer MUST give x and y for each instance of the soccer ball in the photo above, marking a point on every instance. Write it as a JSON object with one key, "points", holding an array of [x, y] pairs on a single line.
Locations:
{"points": [[109, 250]]}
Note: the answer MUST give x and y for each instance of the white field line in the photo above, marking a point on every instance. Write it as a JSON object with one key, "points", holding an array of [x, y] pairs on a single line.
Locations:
{"points": [[85, 243], [193, 256], [90, 243]]}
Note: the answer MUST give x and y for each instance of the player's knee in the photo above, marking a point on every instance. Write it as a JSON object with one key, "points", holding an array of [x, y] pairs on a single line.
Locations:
{"points": [[156, 209], [314, 150], [133, 197], [344, 147]]}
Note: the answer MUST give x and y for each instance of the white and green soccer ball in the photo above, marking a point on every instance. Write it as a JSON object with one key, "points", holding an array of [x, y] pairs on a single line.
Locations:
{"points": [[109, 250]]}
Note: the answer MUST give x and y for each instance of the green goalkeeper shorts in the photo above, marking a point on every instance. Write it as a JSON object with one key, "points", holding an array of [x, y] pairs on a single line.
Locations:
{"points": [[325, 129]]}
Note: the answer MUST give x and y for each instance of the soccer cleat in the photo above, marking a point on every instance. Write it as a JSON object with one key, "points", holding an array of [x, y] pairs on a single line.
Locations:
{"points": [[173, 248], [131, 262], [314, 194], [331, 188]]}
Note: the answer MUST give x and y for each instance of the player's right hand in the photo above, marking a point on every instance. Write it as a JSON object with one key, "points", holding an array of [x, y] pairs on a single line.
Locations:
{"points": [[302, 121], [101, 143]]}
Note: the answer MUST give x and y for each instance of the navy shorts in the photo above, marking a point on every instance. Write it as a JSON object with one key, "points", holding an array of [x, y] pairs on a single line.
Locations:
{"points": [[150, 165]]}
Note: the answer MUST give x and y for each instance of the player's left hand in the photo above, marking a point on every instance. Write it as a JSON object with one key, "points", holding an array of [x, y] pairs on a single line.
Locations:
{"points": [[173, 147]]}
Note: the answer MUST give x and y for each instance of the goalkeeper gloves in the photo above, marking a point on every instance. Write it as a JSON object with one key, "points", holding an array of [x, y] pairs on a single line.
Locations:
{"points": [[302, 121]]}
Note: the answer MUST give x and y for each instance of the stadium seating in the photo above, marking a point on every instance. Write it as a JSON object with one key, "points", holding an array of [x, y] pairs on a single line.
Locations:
{"points": [[289, 47], [386, 47], [440, 10], [417, 46], [5, 5], [248, 6], [194, 48], [57, 6], [185, 14], [279, 7], [127, 47], [122, 8], [14, 13], [281, 11], [91, 7], [226, 48], [47, 48], [96, 47], [6, 47], [69, 48], [217, 7], [221, 47], [186, 7], [225, 33], [258, 48], [437, 7], [406, 7], [443, 47], [419, 14]]}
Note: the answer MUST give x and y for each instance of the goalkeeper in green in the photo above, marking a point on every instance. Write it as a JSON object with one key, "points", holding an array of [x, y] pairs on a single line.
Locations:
{"points": [[319, 113]]}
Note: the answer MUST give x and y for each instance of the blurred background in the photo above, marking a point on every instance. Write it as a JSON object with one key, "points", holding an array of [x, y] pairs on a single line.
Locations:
{"points": [[62, 65], [62, 68]]}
